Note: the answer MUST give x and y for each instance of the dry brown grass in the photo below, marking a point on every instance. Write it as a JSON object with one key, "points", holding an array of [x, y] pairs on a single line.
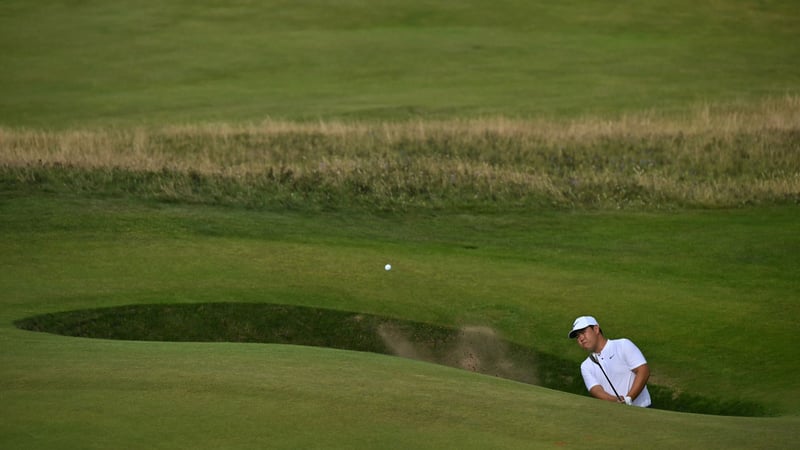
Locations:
{"points": [[716, 156]]}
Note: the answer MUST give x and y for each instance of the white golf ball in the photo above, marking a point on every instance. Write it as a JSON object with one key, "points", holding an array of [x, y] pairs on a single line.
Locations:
{"points": [[388, 267]]}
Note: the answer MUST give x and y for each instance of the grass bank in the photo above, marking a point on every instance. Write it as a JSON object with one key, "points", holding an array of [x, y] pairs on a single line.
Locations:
{"points": [[474, 348]]}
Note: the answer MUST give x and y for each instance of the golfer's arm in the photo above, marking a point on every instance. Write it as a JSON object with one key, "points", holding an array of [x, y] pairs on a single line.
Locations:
{"points": [[642, 374], [597, 391]]}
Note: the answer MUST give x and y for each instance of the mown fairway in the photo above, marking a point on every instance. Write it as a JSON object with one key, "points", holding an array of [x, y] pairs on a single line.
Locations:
{"points": [[78, 63], [518, 163]]}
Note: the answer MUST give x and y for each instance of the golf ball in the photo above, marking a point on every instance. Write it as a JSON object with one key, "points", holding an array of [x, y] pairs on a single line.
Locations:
{"points": [[388, 267]]}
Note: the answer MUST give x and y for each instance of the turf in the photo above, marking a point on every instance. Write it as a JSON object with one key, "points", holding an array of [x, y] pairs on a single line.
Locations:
{"points": [[674, 283], [91, 63], [69, 393]]}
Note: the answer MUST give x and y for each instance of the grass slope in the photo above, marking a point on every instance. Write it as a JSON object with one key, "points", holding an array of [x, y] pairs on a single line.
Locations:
{"points": [[89, 394], [93, 63]]}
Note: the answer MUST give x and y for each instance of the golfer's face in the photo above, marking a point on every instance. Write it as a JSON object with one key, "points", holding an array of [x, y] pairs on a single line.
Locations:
{"points": [[587, 338]]}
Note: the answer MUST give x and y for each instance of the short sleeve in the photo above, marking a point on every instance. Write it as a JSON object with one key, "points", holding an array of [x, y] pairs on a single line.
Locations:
{"points": [[631, 354], [589, 378]]}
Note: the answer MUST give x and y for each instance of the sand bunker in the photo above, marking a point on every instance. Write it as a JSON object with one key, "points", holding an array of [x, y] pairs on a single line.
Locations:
{"points": [[474, 348], [478, 349]]}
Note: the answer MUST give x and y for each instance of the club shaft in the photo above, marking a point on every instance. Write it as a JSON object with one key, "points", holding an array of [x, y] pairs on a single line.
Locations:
{"points": [[597, 361]]}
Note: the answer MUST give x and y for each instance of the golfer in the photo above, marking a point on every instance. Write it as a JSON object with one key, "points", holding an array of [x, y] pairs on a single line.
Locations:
{"points": [[615, 369]]}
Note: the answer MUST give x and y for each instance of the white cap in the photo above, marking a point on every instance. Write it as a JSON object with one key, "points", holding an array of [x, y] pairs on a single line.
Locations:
{"points": [[581, 323]]}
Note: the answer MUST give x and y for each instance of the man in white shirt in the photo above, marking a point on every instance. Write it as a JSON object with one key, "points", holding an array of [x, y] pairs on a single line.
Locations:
{"points": [[615, 369]]}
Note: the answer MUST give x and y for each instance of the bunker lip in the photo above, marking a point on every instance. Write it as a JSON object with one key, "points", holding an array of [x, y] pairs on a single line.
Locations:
{"points": [[475, 348]]}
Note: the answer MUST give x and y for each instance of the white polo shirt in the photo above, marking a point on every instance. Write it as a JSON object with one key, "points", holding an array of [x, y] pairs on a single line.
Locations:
{"points": [[619, 357]]}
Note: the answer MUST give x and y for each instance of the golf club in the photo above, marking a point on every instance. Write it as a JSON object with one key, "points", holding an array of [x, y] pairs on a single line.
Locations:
{"points": [[594, 360]]}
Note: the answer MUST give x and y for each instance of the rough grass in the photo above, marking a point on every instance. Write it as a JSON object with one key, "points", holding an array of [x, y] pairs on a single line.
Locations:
{"points": [[716, 157]]}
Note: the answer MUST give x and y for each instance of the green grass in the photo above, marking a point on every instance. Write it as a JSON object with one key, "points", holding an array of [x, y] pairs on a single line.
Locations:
{"points": [[700, 291], [93, 216], [91, 63], [70, 393]]}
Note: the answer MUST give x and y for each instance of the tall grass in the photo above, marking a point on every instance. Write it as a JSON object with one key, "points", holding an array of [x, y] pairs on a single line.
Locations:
{"points": [[715, 157]]}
